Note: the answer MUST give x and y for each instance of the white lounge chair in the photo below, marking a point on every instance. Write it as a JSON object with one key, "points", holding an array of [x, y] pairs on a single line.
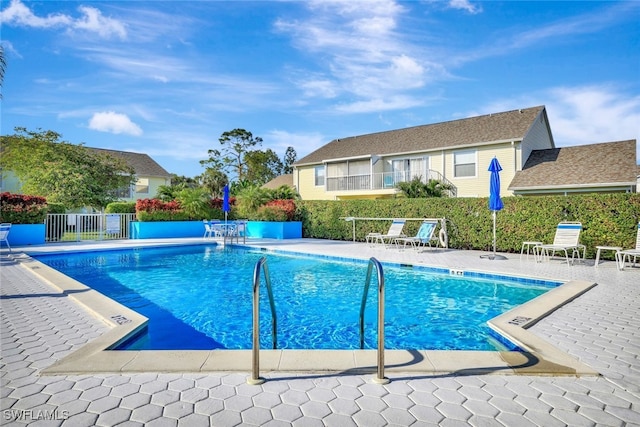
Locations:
{"points": [[567, 239], [5, 227], [395, 231], [621, 256], [423, 237]]}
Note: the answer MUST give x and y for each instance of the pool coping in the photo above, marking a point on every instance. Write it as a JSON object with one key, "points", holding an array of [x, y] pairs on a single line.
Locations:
{"points": [[537, 358]]}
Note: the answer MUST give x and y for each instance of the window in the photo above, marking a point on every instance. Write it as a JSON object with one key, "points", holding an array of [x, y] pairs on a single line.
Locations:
{"points": [[142, 186], [410, 168], [319, 176], [359, 167], [464, 164]]}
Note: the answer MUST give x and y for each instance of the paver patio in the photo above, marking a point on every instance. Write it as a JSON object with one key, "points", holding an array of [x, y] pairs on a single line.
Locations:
{"points": [[601, 328]]}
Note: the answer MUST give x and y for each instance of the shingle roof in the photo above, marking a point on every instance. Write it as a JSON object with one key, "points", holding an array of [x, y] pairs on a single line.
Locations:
{"points": [[142, 164], [279, 181], [608, 163], [505, 126]]}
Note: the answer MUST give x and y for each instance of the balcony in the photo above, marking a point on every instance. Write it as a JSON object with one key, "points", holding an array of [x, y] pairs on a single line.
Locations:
{"points": [[383, 181]]}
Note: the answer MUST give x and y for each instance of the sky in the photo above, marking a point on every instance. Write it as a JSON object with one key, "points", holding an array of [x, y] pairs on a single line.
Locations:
{"points": [[168, 78]]}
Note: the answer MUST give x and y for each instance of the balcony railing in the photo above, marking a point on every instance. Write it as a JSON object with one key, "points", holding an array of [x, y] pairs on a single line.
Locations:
{"points": [[383, 181]]}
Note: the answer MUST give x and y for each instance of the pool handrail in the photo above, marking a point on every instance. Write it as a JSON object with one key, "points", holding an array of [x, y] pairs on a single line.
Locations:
{"points": [[373, 262], [255, 353]]}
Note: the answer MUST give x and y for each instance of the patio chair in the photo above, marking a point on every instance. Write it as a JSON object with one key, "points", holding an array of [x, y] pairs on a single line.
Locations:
{"points": [[621, 256], [5, 227], [208, 229], [394, 232], [423, 237], [567, 239]]}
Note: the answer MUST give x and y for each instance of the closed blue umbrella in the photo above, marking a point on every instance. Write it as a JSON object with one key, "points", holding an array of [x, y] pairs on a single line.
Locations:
{"points": [[495, 202], [225, 199], [225, 208]]}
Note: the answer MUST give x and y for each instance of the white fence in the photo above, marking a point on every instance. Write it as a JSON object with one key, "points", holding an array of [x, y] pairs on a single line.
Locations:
{"points": [[78, 227]]}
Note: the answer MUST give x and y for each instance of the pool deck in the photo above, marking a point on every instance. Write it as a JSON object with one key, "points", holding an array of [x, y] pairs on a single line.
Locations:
{"points": [[43, 327]]}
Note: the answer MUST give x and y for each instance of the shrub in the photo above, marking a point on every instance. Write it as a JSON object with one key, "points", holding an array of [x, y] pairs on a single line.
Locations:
{"points": [[162, 216], [56, 208], [249, 200], [22, 209], [121, 207], [157, 210], [194, 202], [270, 213], [279, 210]]}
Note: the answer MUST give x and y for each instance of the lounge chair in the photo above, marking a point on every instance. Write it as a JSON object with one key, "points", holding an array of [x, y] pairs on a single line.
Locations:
{"points": [[567, 239], [621, 256], [423, 237], [394, 232], [5, 227]]}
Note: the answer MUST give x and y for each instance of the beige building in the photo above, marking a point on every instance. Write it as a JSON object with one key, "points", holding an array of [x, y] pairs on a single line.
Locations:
{"points": [[149, 174], [457, 153]]}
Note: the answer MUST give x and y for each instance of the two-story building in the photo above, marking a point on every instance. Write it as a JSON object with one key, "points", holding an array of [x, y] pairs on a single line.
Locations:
{"points": [[458, 153]]}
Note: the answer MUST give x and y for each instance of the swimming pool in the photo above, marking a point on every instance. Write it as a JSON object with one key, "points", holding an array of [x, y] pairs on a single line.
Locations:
{"points": [[199, 297]]}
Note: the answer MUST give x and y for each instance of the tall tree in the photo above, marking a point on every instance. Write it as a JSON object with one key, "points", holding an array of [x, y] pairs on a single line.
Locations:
{"points": [[231, 157], [290, 157], [182, 181], [62, 172], [214, 181], [262, 166]]}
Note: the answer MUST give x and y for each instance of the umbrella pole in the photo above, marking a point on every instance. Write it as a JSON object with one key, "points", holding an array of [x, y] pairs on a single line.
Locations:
{"points": [[494, 234], [494, 256]]}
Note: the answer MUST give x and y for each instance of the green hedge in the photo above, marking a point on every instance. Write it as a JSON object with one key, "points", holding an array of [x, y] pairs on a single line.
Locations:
{"points": [[607, 219], [121, 207]]}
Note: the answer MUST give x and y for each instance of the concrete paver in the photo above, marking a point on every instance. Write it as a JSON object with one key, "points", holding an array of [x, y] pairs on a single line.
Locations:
{"points": [[600, 328]]}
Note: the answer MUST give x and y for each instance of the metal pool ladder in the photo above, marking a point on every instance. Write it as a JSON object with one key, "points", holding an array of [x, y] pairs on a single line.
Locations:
{"points": [[255, 355], [380, 379]]}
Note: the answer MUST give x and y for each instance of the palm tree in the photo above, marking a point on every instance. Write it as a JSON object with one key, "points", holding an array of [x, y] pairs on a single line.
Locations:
{"points": [[3, 66], [415, 188]]}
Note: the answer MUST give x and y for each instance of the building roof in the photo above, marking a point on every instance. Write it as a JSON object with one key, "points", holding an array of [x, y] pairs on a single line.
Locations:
{"points": [[142, 164], [505, 126], [600, 165], [279, 181]]}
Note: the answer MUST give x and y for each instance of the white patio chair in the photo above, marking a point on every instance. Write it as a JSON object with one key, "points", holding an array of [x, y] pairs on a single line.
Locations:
{"points": [[567, 239], [5, 227], [621, 256], [394, 232]]}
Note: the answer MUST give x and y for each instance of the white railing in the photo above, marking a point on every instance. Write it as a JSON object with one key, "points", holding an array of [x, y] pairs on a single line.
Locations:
{"points": [[383, 180], [78, 227]]}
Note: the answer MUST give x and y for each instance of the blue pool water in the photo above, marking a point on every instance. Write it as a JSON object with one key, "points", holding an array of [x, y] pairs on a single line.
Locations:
{"points": [[200, 297]]}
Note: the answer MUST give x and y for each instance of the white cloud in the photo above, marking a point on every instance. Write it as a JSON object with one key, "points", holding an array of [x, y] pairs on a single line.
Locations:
{"points": [[508, 39], [19, 14], [586, 115], [91, 20], [323, 88], [112, 122], [583, 114], [364, 56], [304, 143], [379, 104], [465, 5]]}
